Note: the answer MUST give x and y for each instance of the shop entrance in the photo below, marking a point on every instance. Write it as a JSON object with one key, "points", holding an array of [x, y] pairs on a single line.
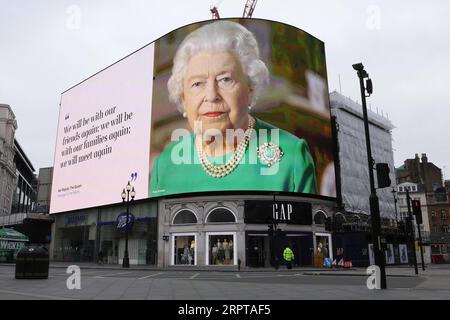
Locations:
{"points": [[141, 242], [76, 245], [258, 251], [301, 245]]}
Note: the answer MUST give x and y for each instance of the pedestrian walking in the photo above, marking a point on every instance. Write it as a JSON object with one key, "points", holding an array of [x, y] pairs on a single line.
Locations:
{"points": [[100, 257], [288, 256]]}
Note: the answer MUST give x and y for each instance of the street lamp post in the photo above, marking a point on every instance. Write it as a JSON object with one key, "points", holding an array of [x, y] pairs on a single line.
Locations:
{"points": [[126, 198], [411, 230], [374, 204]]}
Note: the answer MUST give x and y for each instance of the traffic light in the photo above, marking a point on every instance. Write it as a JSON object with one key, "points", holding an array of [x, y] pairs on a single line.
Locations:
{"points": [[383, 175], [417, 211]]}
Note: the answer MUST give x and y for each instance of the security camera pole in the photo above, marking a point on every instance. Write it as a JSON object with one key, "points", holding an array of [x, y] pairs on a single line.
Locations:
{"points": [[374, 204]]}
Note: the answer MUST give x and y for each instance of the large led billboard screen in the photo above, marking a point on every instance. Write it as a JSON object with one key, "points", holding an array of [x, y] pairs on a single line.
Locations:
{"points": [[223, 105]]}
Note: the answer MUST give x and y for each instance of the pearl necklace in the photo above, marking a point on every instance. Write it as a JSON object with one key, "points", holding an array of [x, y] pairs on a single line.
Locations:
{"points": [[219, 171]]}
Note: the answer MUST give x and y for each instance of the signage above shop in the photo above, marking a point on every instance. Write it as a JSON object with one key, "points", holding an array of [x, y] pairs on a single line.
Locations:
{"points": [[75, 219], [289, 212], [11, 245], [121, 222]]}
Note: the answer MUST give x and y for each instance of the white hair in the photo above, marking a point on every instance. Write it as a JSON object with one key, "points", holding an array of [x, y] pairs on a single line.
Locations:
{"points": [[219, 36]]}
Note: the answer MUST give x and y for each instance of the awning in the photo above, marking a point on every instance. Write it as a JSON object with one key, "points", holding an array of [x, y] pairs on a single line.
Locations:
{"points": [[12, 235]]}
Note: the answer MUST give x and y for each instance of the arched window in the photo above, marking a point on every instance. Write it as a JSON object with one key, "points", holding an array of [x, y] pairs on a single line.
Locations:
{"points": [[339, 218], [220, 215], [319, 217], [184, 217]]}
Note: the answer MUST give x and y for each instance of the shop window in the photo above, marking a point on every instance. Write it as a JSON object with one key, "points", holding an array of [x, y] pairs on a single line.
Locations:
{"points": [[184, 250], [185, 217], [220, 215], [323, 250], [221, 249]]}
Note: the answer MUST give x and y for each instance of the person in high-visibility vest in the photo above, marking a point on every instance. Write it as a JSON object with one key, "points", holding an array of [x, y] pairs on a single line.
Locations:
{"points": [[288, 256]]}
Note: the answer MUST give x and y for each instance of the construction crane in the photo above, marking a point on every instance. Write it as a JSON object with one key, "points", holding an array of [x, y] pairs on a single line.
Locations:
{"points": [[249, 8], [215, 12]]}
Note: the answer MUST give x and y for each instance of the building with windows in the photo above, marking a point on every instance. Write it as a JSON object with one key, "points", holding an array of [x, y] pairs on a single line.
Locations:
{"points": [[421, 171], [18, 185], [416, 192], [200, 230], [352, 232], [25, 194], [8, 177], [439, 209], [427, 177], [80, 235], [221, 230], [44, 190], [353, 173], [438, 205]]}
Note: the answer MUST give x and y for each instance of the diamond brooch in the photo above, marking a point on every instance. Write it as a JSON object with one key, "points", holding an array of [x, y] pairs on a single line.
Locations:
{"points": [[269, 154]]}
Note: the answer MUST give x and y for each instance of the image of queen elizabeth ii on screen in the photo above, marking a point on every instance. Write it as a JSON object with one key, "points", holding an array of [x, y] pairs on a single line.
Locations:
{"points": [[222, 138]]}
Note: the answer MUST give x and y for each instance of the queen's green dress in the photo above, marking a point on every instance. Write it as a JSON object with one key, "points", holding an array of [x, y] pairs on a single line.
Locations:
{"points": [[294, 172]]}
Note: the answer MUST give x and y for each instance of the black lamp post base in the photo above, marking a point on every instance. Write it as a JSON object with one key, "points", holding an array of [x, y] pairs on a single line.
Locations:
{"points": [[126, 262]]}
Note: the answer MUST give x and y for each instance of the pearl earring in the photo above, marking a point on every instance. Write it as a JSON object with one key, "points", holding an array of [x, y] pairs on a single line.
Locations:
{"points": [[184, 114]]}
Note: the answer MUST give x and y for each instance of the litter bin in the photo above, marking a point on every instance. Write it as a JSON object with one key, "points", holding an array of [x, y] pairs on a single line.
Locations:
{"points": [[32, 262]]}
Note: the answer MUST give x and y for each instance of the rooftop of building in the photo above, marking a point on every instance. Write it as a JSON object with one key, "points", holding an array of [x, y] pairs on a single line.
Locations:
{"points": [[23, 156], [340, 101]]}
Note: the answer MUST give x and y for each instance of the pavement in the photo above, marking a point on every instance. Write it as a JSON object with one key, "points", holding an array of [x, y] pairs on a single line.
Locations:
{"points": [[396, 271], [105, 282]]}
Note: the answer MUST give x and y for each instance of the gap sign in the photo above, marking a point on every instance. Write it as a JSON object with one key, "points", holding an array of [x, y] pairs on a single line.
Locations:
{"points": [[264, 212]]}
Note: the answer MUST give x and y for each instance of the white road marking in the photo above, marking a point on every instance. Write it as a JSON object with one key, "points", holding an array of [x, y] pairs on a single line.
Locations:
{"points": [[195, 276], [238, 275], [152, 275], [112, 274]]}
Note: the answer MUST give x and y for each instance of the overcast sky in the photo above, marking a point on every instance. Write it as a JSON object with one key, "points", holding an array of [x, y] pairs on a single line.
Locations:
{"points": [[48, 46]]}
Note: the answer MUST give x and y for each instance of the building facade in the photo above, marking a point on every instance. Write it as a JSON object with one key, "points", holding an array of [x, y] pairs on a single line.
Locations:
{"points": [[416, 192], [8, 126], [353, 165], [438, 206], [220, 230], [44, 190], [352, 231], [439, 209], [226, 230], [80, 235], [447, 189], [427, 177], [421, 171], [18, 185], [25, 192]]}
